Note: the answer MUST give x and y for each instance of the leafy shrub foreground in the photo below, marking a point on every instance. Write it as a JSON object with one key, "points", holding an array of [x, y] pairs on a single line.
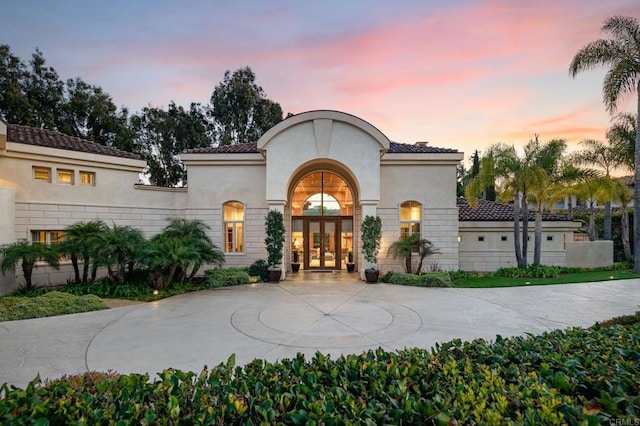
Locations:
{"points": [[226, 277], [585, 376], [46, 305]]}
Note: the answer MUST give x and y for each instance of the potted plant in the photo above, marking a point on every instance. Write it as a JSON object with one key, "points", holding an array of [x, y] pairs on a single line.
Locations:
{"points": [[274, 241], [371, 230], [350, 265], [295, 265]]}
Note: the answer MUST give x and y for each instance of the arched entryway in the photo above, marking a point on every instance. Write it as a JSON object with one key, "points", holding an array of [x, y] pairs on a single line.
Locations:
{"points": [[322, 219]]}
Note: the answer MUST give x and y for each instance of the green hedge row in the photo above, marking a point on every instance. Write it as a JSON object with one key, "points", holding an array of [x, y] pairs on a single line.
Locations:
{"points": [[226, 277], [429, 279], [578, 376], [49, 304]]}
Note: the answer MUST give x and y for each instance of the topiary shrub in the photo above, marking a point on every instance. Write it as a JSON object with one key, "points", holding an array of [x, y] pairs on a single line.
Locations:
{"points": [[259, 268], [429, 279], [226, 277]]}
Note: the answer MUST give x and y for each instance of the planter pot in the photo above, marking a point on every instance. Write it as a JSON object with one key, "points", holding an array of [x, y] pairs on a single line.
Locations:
{"points": [[295, 267], [372, 275], [351, 267], [274, 276]]}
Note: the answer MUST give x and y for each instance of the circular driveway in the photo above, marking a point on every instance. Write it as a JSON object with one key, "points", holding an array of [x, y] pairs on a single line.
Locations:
{"points": [[331, 313]]}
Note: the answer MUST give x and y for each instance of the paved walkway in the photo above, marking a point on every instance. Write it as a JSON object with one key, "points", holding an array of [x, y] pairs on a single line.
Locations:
{"points": [[332, 313]]}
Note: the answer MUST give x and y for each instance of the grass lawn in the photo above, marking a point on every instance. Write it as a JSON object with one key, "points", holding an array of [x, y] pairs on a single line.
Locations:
{"points": [[491, 281]]}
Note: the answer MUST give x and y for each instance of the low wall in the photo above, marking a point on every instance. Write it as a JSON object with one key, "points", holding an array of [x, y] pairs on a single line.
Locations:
{"points": [[589, 254]]}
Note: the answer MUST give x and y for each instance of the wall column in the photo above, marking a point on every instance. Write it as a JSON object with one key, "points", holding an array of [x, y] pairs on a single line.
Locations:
{"points": [[7, 234]]}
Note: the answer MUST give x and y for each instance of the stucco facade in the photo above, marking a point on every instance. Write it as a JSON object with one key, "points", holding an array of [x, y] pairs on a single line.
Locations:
{"points": [[325, 170]]}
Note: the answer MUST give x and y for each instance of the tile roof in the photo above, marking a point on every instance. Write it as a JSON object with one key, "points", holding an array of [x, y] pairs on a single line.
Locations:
{"points": [[239, 148], [53, 139], [394, 148], [418, 148], [488, 211]]}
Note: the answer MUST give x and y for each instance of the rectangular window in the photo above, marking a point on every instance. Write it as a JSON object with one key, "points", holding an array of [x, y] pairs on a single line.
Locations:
{"points": [[549, 237], [42, 174], [88, 178], [410, 218], [49, 238], [503, 238], [233, 215], [481, 238], [65, 176]]}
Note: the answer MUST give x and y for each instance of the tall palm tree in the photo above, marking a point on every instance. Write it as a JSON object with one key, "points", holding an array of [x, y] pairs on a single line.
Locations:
{"points": [[622, 195], [606, 157], [26, 253], [81, 241], [622, 136], [621, 53]]}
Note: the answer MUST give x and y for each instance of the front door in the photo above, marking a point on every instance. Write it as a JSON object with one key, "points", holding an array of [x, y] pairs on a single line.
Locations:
{"points": [[323, 250]]}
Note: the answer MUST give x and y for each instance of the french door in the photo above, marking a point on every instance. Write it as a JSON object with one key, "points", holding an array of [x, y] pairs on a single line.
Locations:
{"points": [[322, 249]]}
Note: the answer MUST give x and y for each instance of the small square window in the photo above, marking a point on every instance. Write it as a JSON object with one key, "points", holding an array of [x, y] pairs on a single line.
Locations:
{"points": [[42, 173], [503, 238], [88, 178], [481, 238], [65, 176], [549, 237]]}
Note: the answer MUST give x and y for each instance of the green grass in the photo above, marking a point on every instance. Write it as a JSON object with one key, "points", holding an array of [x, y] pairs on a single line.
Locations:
{"points": [[579, 277], [49, 304]]}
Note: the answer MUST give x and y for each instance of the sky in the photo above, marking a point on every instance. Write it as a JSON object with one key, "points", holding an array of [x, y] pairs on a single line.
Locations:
{"points": [[460, 74]]}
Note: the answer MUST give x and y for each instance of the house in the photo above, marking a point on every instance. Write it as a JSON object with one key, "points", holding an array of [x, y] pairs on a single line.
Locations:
{"points": [[324, 170]]}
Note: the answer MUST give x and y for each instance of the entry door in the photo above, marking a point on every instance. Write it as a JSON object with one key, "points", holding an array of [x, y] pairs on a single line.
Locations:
{"points": [[322, 251]]}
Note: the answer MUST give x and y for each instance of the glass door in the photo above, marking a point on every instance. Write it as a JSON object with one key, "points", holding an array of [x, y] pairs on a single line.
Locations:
{"points": [[321, 251]]}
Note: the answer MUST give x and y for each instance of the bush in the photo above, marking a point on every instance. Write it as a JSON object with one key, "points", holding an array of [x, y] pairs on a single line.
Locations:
{"points": [[539, 271], [429, 279], [622, 320], [259, 268], [49, 304], [104, 288], [578, 376], [226, 277]]}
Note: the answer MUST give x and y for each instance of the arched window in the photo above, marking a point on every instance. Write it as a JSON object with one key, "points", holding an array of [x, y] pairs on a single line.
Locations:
{"points": [[233, 215], [410, 218]]}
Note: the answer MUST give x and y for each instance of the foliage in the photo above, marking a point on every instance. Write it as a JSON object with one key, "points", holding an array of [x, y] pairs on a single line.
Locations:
{"points": [[622, 320], [226, 277], [163, 135], [118, 250], [274, 238], [49, 304], [240, 110], [296, 256], [81, 242], [531, 271], [371, 233], [429, 279], [27, 254], [104, 288], [578, 376], [350, 256], [259, 268], [406, 246]]}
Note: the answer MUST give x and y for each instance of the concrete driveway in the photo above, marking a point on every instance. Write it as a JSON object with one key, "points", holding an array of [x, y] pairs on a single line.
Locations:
{"points": [[331, 313]]}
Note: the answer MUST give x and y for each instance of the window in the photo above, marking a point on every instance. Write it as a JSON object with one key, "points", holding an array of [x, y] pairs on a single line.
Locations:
{"points": [[49, 238], [410, 218], [503, 238], [65, 176], [233, 212], [42, 173], [87, 178], [549, 237], [481, 238]]}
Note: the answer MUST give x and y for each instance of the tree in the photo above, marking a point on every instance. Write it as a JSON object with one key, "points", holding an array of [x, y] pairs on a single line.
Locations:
{"points": [[14, 104], [607, 157], [406, 246], [371, 234], [621, 53], [26, 253], [622, 136], [595, 191], [274, 238], [81, 240], [240, 109], [163, 135], [119, 248], [622, 195]]}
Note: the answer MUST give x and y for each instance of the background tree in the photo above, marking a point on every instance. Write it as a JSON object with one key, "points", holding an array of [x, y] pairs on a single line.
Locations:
{"points": [[240, 109], [621, 53], [163, 135], [607, 157], [14, 104], [27, 254]]}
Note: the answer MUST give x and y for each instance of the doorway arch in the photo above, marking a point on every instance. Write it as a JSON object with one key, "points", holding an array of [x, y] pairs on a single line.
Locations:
{"points": [[322, 207]]}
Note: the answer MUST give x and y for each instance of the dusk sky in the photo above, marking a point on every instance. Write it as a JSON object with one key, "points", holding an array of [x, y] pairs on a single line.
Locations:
{"points": [[459, 74]]}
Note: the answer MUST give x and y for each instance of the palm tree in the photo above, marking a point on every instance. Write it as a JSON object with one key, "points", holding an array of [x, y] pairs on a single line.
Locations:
{"points": [[119, 250], [622, 196], [606, 157], [81, 241], [621, 53], [622, 136], [406, 246], [595, 191], [28, 254]]}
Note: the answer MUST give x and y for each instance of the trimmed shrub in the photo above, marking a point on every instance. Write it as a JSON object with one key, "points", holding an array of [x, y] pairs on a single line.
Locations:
{"points": [[259, 268], [578, 376], [429, 279], [226, 277], [622, 320], [49, 304]]}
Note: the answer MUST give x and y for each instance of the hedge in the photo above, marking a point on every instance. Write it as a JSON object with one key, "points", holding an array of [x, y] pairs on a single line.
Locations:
{"points": [[578, 376], [49, 304], [429, 279]]}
